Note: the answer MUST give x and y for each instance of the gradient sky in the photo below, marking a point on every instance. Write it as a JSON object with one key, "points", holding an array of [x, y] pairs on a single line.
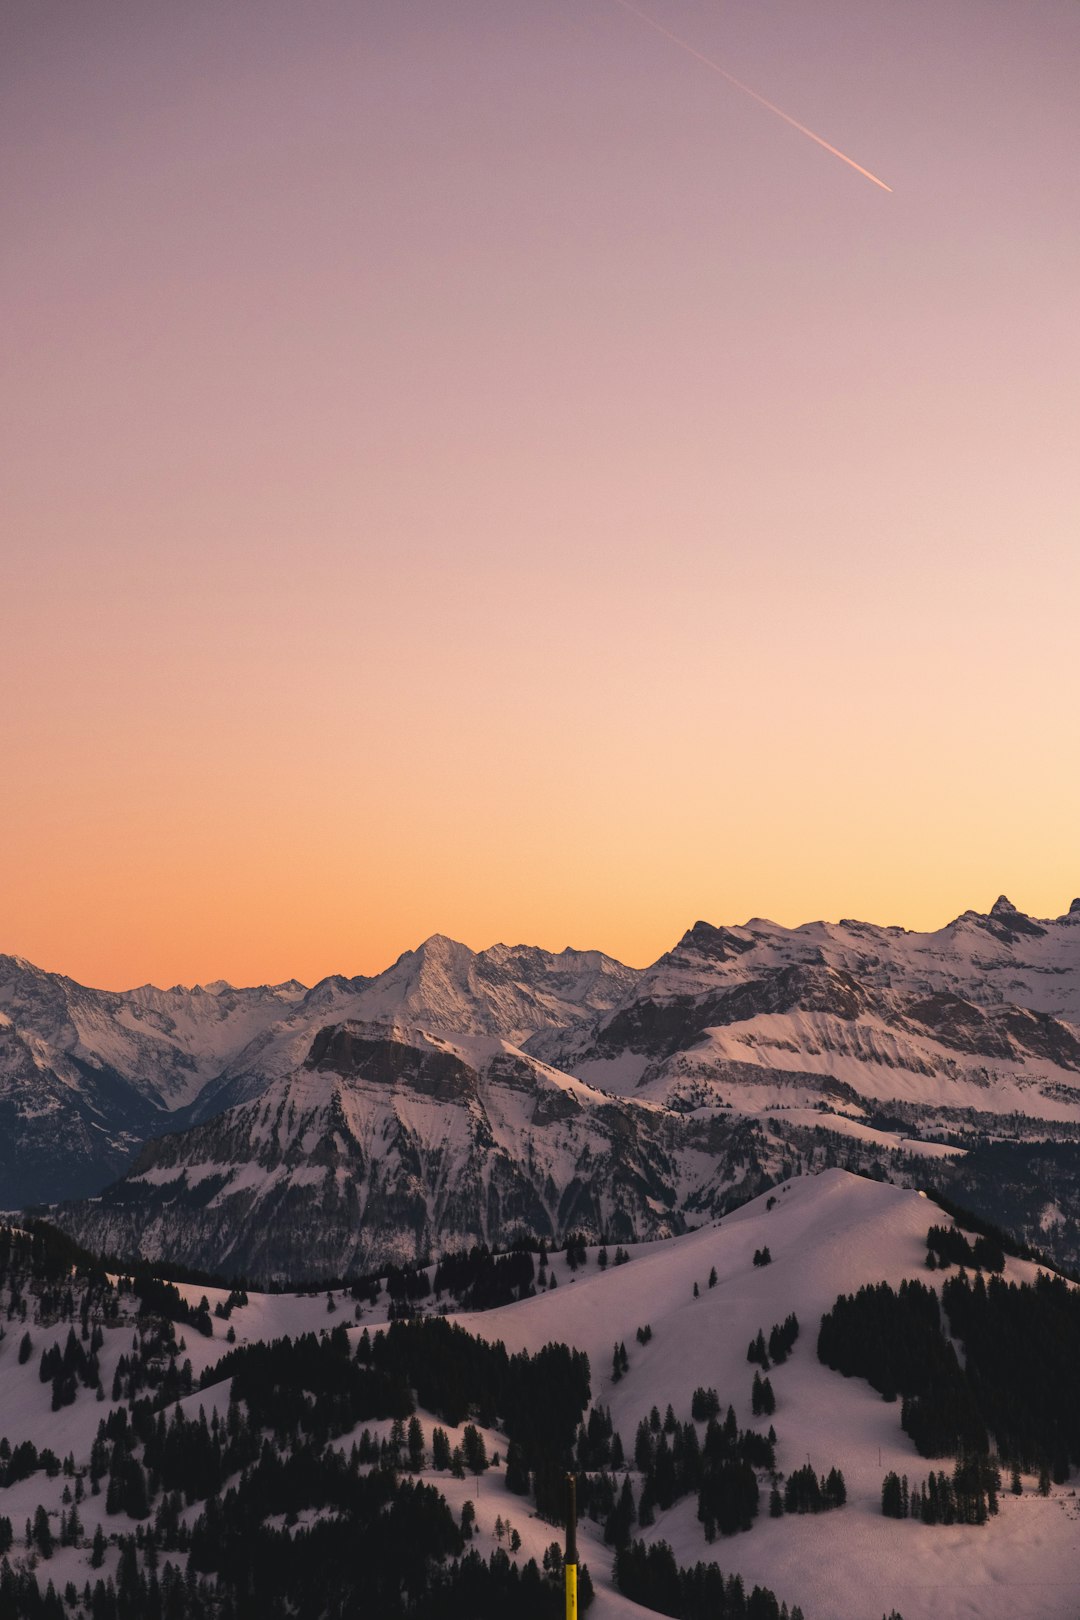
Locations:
{"points": [[468, 468]]}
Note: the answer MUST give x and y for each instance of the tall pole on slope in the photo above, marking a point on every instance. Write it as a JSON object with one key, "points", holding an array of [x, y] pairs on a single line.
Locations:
{"points": [[570, 1561]]}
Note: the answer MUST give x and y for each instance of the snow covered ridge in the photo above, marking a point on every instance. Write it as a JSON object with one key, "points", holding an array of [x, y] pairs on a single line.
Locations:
{"points": [[676, 1082], [87, 1075], [685, 1309]]}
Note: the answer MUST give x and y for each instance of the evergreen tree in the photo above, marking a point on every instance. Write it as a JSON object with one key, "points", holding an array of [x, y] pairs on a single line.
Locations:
{"points": [[440, 1448], [891, 1500], [475, 1451], [41, 1535]]}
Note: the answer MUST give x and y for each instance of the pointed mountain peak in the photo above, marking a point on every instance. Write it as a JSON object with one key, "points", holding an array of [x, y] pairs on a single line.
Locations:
{"points": [[441, 947], [1008, 924], [1074, 909]]}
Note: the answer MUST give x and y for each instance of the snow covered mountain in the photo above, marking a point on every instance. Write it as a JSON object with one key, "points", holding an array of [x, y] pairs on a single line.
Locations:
{"points": [[733, 1057], [87, 1075], [978, 1020], [389, 1142], [510, 991]]}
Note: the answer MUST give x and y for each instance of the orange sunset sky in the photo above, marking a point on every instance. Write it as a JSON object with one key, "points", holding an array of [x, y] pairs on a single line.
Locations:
{"points": [[470, 469]]}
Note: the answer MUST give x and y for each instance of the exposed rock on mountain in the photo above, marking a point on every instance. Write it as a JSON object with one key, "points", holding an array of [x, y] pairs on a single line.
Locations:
{"points": [[391, 1142], [980, 1015]]}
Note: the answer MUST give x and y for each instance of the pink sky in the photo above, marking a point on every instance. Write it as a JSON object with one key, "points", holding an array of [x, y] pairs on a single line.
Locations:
{"points": [[472, 469]]}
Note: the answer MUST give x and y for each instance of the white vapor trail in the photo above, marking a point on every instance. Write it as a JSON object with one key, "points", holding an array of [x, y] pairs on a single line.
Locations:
{"points": [[747, 91]]}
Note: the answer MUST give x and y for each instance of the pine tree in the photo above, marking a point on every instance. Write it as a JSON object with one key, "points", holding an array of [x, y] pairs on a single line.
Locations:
{"points": [[474, 1449], [891, 1499], [42, 1535], [439, 1447]]}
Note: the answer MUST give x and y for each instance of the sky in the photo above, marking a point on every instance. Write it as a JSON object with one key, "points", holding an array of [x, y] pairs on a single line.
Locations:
{"points": [[471, 468]]}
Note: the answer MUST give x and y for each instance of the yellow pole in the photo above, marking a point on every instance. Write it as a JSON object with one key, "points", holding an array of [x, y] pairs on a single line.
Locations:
{"points": [[571, 1592], [570, 1561]]}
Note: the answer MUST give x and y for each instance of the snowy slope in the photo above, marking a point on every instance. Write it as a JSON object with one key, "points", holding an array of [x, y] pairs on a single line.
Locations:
{"points": [[827, 1234]]}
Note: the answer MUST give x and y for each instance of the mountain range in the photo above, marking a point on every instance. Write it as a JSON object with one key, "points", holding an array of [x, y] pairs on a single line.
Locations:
{"points": [[87, 1075], [460, 1097]]}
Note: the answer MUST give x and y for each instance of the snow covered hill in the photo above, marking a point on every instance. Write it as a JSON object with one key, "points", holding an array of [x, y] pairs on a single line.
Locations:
{"points": [[827, 1235]]}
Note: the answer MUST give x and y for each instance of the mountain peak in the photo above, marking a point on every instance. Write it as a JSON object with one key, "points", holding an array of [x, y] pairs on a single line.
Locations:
{"points": [[1003, 907], [1074, 909]]}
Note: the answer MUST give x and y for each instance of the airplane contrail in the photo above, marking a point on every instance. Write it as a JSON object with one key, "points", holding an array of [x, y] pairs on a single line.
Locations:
{"points": [[746, 89]]}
